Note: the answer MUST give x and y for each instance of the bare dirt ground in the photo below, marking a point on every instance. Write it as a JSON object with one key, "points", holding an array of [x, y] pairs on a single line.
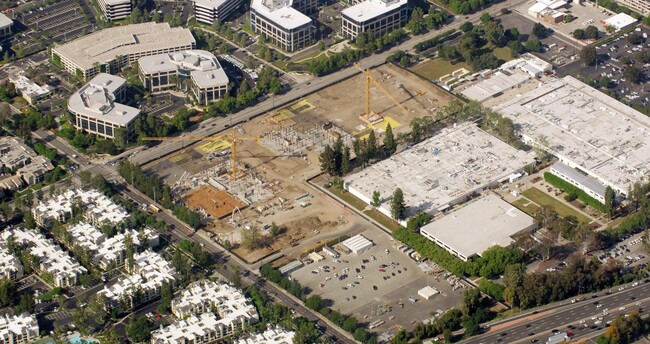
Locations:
{"points": [[213, 202]]}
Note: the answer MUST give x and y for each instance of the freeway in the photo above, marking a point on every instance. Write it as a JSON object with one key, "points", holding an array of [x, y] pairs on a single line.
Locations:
{"points": [[579, 318]]}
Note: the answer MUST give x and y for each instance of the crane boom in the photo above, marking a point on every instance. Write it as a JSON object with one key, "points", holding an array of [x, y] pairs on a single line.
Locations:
{"points": [[370, 78]]}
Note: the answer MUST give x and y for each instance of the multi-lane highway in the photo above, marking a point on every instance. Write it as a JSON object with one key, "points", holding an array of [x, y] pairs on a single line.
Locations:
{"points": [[585, 318]]}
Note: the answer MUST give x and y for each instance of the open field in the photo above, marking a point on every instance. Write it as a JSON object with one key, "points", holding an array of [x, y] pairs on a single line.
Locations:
{"points": [[213, 202], [526, 205], [434, 69], [540, 198]]}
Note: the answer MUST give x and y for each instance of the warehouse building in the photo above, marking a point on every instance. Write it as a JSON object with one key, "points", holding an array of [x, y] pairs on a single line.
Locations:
{"points": [[378, 16], [281, 24], [208, 81], [475, 227], [115, 9], [97, 107], [6, 25], [110, 50], [358, 244], [591, 133], [209, 11], [440, 172], [19, 329]]}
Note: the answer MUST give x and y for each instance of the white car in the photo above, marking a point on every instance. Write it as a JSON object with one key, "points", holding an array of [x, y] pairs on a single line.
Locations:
{"points": [[622, 308]]}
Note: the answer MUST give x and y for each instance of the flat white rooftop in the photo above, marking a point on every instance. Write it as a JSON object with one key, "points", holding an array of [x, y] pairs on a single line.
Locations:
{"points": [[281, 13], [495, 84], [24, 85], [104, 45], [276, 335], [620, 21], [371, 9], [481, 224], [584, 128], [202, 65], [5, 21], [441, 170], [209, 3], [97, 99]]}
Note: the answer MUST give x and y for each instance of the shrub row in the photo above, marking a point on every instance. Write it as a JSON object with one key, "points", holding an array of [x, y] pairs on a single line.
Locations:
{"points": [[572, 189]]}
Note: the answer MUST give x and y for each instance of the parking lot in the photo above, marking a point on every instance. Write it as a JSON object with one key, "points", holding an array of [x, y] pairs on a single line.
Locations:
{"points": [[630, 252], [379, 285]]}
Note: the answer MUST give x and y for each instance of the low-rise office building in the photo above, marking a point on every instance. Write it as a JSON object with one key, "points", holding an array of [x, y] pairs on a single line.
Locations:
{"points": [[29, 90], [10, 266], [97, 107], [209, 11], [115, 9], [109, 50], [590, 186], [63, 269], [281, 24], [377, 16], [6, 25], [208, 81], [18, 329], [98, 209]]}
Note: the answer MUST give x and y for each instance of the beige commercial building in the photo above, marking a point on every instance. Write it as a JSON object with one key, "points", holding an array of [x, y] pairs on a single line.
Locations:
{"points": [[208, 11], [109, 50], [641, 6], [115, 9], [5, 25], [207, 80], [281, 24], [378, 16]]}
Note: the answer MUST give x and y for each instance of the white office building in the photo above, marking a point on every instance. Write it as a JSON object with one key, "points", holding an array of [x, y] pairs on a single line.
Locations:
{"points": [[10, 266], [63, 269], [208, 11], [6, 25], [28, 89], [208, 81], [378, 16], [18, 329], [97, 208], [115, 9], [97, 107], [590, 186], [281, 24], [109, 50], [150, 271]]}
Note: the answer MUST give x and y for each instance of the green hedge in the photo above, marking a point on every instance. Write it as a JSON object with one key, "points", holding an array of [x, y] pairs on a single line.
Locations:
{"points": [[570, 188], [432, 42]]}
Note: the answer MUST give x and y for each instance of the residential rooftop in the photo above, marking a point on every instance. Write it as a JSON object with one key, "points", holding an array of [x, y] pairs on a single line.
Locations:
{"points": [[98, 209], [281, 13], [203, 296], [273, 335], [370, 9], [441, 171], [23, 326], [584, 128], [97, 99], [477, 226], [105, 45], [10, 266]]}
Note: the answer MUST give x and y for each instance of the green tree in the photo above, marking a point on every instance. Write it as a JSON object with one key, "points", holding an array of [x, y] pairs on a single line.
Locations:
{"points": [[588, 55], [375, 198], [540, 31], [26, 304], [533, 45], [327, 160], [633, 74], [610, 202], [390, 145], [416, 24], [397, 205], [7, 292], [138, 329], [166, 295], [345, 161], [130, 252], [314, 302], [591, 32]]}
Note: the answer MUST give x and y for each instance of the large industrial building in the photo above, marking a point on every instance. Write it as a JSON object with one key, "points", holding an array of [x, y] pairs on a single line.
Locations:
{"points": [[588, 131], [209, 11], [283, 25], [441, 171], [115, 9], [111, 49], [97, 107], [208, 80], [378, 16], [477, 226], [6, 25]]}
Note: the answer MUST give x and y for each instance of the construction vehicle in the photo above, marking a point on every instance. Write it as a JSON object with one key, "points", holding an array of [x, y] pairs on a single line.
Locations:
{"points": [[232, 139], [370, 116]]}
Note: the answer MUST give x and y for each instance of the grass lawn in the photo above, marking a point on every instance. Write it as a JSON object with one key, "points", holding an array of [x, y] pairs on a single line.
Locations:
{"points": [[348, 198], [538, 196], [526, 206], [434, 69], [502, 53], [383, 219], [308, 57], [281, 64]]}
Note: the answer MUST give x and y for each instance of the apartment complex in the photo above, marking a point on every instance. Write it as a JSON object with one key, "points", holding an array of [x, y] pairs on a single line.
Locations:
{"points": [[115, 9], [97, 107], [62, 268], [199, 324], [10, 266], [641, 6], [377, 16], [30, 168], [208, 82], [18, 329], [97, 208], [6, 25], [209, 11], [281, 24], [273, 335], [150, 271], [109, 50]]}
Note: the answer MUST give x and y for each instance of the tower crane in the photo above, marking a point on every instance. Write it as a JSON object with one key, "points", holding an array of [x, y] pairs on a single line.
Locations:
{"points": [[231, 138], [369, 78]]}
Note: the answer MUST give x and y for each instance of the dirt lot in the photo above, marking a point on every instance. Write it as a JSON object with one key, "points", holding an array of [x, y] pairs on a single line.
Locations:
{"points": [[213, 202]]}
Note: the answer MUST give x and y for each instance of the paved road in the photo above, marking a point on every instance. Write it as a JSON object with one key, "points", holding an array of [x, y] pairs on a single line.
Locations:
{"points": [[538, 325]]}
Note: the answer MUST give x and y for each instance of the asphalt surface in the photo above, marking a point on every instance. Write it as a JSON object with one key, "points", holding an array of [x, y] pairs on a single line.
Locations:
{"points": [[539, 324]]}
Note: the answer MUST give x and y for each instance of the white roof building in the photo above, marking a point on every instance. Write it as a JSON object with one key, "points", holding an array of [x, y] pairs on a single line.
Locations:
{"points": [[281, 13], [98, 209], [18, 329], [620, 21], [203, 296], [477, 226], [358, 244], [273, 335], [5, 25], [207, 11], [28, 89], [202, 66], [31, 167], [369, 9], [10, 266], [64, 269]]}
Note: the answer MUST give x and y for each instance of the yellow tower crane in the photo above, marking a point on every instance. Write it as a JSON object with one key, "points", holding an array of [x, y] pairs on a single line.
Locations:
{"points": [[231, 138], [369, 113]]}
